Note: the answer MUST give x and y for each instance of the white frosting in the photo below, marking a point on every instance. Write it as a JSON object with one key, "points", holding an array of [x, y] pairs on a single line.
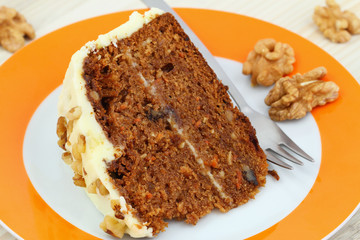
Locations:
{"points": [[98, 148]]}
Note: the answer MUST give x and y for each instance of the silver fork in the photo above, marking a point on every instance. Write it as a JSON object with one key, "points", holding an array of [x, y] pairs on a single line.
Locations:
{"points": [[271, 138]]}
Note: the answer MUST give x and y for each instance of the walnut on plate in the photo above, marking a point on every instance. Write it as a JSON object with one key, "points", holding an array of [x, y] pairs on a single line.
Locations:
{"points": [[336, 25], [268, 62], [292, 97], [14, 29]]}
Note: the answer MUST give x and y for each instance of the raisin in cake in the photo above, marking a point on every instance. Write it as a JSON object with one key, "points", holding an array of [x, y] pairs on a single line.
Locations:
{"points": [[150, 131]]}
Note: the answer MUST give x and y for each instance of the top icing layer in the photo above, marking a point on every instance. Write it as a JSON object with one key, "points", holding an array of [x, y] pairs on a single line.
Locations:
{"points": [[98, 149], [136, 21]]}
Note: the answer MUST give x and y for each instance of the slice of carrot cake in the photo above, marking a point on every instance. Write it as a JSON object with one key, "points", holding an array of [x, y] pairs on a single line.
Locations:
{"points": [[150, 131]]}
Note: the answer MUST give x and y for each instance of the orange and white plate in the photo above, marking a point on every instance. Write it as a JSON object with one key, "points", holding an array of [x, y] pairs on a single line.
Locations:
{"points": [[39, 201]]}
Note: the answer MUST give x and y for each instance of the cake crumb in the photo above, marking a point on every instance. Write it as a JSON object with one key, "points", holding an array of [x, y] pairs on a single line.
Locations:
{"points": [[274, 174]]}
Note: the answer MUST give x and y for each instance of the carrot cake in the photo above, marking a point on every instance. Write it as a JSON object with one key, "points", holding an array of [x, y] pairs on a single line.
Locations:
{"points": [[150, 131]]}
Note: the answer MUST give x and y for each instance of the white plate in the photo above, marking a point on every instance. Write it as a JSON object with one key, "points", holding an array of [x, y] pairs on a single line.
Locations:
{"points": [[52, 178]]}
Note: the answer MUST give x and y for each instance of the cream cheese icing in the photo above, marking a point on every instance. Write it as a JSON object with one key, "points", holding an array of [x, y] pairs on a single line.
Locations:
{"points": [[98, 149]]}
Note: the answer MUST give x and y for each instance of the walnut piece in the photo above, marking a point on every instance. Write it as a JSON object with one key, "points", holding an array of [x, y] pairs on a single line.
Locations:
{"points": [[74, 113], [61, 131], [268, 62], [79, 147], [67, 158], [74, 158], [14, 29], [336, 25], [92, 188], [115, 205], [102, 189], [79, 180], [77, 167], [292, 98], [113, 227]]}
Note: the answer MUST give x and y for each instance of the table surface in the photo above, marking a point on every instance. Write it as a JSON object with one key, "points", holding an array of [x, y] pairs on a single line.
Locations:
{"points": [[294, 15]]}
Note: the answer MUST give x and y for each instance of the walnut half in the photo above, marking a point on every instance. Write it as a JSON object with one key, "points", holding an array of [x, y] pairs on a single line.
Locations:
{"points": [[268, 62], [13, 29], [292, 97], [336, 25]]}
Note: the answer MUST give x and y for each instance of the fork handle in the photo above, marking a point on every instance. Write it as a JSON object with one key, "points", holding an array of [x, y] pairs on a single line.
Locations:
{"points": [[234, 93]]}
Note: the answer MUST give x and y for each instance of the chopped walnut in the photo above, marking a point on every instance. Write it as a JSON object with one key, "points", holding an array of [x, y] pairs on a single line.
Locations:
{"points": [[61, 131], [115, 205], [94, 94], [74, 113], [77, 167], [335, 24], [268, 62], [97, 184], [292, 98], [70, 127], [67, 158], [113, 227], [102, 189], [13, 29], [79, 180], [229, 115], [79, 147], [92, 188], [181, 145]]}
